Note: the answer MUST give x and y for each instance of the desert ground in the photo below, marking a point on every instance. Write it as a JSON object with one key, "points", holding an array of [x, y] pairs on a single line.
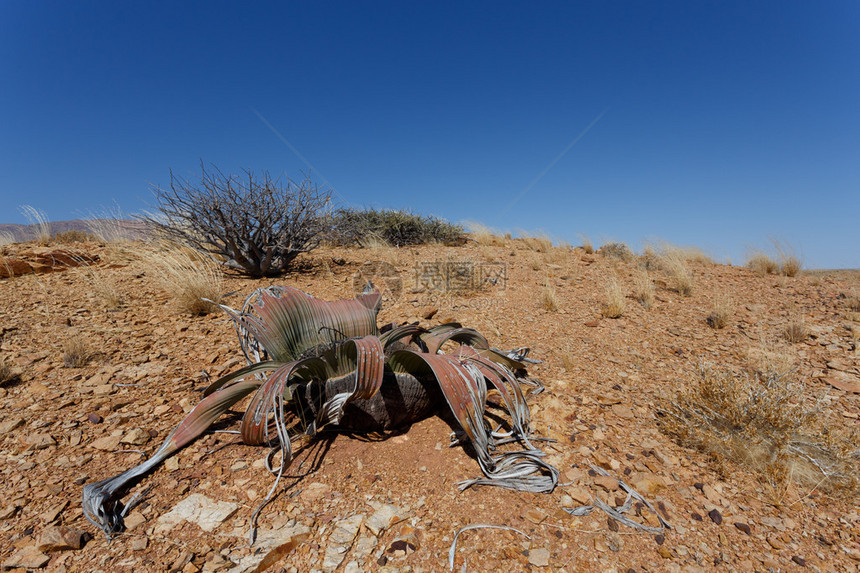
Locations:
{"points": [[102, 364]]}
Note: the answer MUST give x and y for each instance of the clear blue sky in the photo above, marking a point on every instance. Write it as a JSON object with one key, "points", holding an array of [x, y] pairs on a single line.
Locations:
{"points": [[712, 123]]}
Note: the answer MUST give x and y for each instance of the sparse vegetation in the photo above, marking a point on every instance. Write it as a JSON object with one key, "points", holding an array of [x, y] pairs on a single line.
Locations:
{"points": [[643, 288], [615, 300], [761, 264], [789, 263], [721, 312], [102, 285], [368, 228], [253, 223], [39, 221], [675, 264], [769, 360], [485, 236], [191, 279], [111, 226], [538, 243], [76, 352], [72, 237], [761, 423], [6, 238]]}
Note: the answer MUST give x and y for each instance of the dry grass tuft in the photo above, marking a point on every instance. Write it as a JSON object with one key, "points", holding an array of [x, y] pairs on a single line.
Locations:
{"points": [[763, 424], [39, 220], [567, 360], [6, 238], [643, 288], [615, 300], [767, 360], [548, 298], [721, 313], [789, 262], [72, 237], [853, 316], [852, 301], [76, 352], [675, 264], [587, 245], [485, 236], [187, 276], [537, 243], [796, 331], [761, 264]]}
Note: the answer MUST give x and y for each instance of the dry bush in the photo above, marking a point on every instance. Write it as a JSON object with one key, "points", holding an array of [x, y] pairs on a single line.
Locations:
{"points": [[72, 236], [587, 245], [39, 221], [537, 243], [614, 250], [721, 312], [770, 360], [763, 424], [643, 288], [393, 227], [557, 255], [615, 300], [761, 264], [852, 301], [795, 330], [187, 276], [548, 298], [853, 316], [102, 285], [76, 352]]}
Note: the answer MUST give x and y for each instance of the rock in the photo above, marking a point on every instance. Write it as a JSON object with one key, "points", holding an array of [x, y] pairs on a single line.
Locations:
{"points": [[106, 443], [134, 520], [580, 495], [136, 437], [206, 513], [536, 515], [27, 558], [10, 424], [664, 552], [743, 527], [799, 560], [712, 494], [646, 483], [39, 441], [384, 517], [61, 538], [844, 382], [9, 511], [539, 557], [271, 546], [429, 312], [774, 542], [340, 542], [715, 516], [606, 482]]}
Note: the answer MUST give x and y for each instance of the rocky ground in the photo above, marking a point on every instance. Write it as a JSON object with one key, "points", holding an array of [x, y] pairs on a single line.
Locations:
{"points": [[391, 503]]}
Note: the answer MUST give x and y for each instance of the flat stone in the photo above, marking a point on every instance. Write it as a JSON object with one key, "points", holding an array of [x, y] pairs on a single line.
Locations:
{"points": [[384, 517], [606, 482], [646, 483], [61, 538], [106, 443], [39, 441], [844, 382], [136, 437], [10, 424], [340, 542], [271, 546], [27, 558], [206, 513], [539, 557]]}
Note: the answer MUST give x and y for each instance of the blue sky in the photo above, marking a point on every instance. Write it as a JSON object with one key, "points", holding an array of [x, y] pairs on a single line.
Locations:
{"points": [[717, 124]]}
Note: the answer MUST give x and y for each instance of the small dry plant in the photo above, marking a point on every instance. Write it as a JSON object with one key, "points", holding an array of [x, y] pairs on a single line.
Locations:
{"points": [[643, 288], [76, 352], [537, 243], [761, 264], [39, 221], [615, 300], [721, 312], [6, 238], [675, 264], [769, 360], [587, 245], [763, 424], [796, 330], [548, 298], [789, 262], [567, 360], [852, 301], [615, 250], [189, 277]]}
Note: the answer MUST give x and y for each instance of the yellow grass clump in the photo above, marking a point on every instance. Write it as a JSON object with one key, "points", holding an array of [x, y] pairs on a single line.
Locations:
{"points": [[675, 264], [189, 277], [102, 285], [76, 352], [548, 298], [615, 300], [40, 222], [587, 245], [484, 236], [795, 330]]}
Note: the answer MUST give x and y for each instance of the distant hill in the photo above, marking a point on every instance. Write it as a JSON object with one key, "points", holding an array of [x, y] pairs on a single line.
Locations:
{"points": [[130, 228]]}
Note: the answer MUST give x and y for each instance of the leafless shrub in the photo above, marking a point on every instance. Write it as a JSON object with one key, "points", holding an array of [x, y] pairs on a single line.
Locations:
{"points": [[76, 352], [256, 224], [615, 300], [722, 310], [39, 221], [761, 423], [188, 277], [643, 288]]}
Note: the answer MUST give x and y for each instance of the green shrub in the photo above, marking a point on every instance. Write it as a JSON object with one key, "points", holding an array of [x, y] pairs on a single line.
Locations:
{"points": [[368, 227]]}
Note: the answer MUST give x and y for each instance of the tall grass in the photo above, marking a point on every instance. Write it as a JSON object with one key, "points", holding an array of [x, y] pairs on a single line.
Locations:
{"points": [[6, 238], [643, 288], [615, 299]]}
